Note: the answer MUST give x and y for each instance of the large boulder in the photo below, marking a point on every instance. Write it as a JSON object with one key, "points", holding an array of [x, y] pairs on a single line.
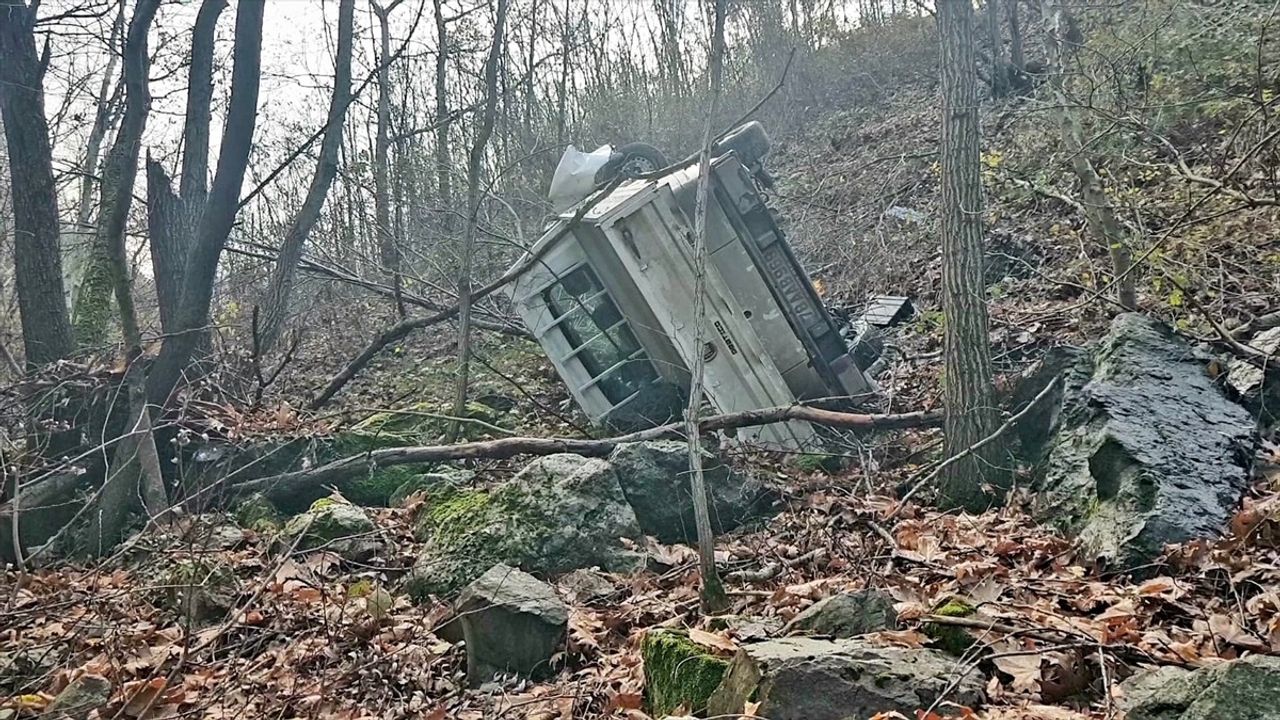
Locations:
{"points": [[1147, 450], [1247, 689], [655, 478], [336, 526], [846, 615], [512, 623], [559, 513], [809, 679]]}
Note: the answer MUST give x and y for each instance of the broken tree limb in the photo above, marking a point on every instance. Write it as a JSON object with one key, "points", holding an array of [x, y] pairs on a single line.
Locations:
{"points": [[404, 327], [345, 468]]}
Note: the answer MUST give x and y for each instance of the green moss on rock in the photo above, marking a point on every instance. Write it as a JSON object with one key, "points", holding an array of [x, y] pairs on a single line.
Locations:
{"points": [[257, 513], [678, 673], [199, 588], [560, 513], [951, 638]]}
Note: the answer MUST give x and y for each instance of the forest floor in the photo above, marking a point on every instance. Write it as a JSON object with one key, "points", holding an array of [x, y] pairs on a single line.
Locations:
{"points": [[311, 636]]}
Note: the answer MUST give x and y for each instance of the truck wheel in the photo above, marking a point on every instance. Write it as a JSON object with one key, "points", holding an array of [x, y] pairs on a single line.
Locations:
{"points": [[632, 160]]}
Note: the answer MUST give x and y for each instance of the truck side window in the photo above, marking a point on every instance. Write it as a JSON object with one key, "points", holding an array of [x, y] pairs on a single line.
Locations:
{"points": [[600, 337]]}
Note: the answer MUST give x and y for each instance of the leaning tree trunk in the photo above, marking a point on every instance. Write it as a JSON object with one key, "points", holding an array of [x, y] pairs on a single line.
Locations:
{"points": [[1100, 214], [81, 261], [968, 384], [389, 253], [135, 470], [444, 163], [42, 303], [275, 304], [475, 164]]}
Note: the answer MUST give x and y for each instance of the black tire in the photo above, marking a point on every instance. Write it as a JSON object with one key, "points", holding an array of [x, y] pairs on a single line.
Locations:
{"points": [[632, 160]]}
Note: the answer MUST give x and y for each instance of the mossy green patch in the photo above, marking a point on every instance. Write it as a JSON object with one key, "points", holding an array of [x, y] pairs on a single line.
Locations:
{"points": [[257, 513], [678, 673], [198, 588], [950, 638]]}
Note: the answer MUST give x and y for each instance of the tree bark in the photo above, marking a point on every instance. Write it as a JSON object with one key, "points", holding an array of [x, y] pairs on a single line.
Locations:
{"points": [[475, 164], [1100, 214], [388, 250], [80, 257], [444, 163], [135, 470], [42, 301], [968, 382], [173, 219], [219, 211], [275, 304], [714, 599]]}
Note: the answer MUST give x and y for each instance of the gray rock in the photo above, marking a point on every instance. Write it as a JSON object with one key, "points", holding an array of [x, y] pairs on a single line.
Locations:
{"points": [[846, 615], [586, 586], [335, 526], [1147, 451], [809, 679], [512, 623], [199, 589], [655, 478], [559, 513], [84, 695], [1247, 689]]}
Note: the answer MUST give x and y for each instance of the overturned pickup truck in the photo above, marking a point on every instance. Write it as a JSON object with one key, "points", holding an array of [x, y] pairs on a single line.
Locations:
{"points": [[609, 294]]}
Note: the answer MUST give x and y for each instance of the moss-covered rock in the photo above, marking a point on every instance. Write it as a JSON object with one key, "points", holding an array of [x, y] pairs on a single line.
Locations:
{"points": [[678, 673], [559, 513], [951, 638], [1247, 689], [256, 512], [444, 475], [333, 525]]}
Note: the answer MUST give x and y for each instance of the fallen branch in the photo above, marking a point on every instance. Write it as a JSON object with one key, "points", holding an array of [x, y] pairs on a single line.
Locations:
{"points": [[404, 327], [347, 467]]}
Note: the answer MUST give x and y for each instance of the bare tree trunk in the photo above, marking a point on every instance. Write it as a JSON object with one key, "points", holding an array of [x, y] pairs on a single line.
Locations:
{"points": [[968, 383], [444, 163], [78, 256], [135, 470], [1017, 56], [192, 315], [1100, 215], [276, 303], [388, 249], [172, 219], [714, 599], [42, 302], [475, 165], [999, 69]]}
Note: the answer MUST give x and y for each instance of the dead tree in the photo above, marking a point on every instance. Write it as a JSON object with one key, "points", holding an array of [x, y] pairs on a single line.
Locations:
{"points": [[475, 165], [275, 305], [135, 470], [42, 302], [1100, 214], [968, 383]]}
